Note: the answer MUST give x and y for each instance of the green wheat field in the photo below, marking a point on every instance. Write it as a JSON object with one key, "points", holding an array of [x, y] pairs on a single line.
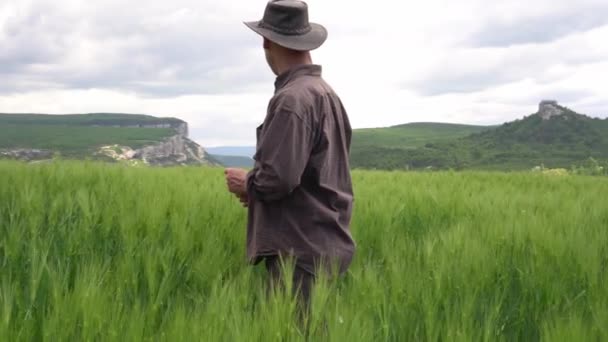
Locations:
{"points": [[101, 252]]}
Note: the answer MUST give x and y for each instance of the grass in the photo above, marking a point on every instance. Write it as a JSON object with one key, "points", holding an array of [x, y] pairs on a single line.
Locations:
{"points": [[105, 252]]}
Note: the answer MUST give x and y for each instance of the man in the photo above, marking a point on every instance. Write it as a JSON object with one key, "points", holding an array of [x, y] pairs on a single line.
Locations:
{"points": [[299, 193]]}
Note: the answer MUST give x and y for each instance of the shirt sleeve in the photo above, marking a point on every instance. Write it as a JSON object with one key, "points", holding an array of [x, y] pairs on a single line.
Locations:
{"points": [[284, 147]]}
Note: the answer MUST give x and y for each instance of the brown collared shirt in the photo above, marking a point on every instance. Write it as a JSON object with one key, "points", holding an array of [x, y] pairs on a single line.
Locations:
{"points": [[300, 190]]}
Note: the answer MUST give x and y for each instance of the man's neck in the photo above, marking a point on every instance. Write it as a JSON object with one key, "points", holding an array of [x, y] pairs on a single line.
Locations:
{"points": [[291, 63]]}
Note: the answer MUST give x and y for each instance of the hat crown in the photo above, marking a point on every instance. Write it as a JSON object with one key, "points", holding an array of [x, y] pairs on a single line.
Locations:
{"points": [[288, 17]]}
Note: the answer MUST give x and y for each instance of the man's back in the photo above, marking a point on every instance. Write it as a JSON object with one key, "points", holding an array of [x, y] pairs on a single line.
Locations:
{"points": [[300, 191]]}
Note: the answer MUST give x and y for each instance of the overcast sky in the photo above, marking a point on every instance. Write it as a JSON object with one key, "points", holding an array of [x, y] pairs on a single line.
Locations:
{"points": [[391, 61]]}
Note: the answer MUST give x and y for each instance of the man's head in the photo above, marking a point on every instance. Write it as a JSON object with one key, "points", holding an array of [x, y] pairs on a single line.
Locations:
{"points": [[288, 35], [280, 58]]}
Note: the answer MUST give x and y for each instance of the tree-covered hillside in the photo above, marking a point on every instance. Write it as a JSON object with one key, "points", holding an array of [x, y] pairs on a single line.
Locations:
{"points": [[562, 140]]}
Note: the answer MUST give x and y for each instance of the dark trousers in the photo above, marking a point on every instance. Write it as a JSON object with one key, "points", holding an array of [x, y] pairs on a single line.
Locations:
{"points": [[303, 281]]}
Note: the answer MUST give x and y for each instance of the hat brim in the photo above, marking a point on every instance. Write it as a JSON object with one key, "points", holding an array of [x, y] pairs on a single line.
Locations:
{"points": [[306, 42]]}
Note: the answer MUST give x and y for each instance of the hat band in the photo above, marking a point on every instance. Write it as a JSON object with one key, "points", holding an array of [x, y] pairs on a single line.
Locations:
{"points": [[285, 31]]}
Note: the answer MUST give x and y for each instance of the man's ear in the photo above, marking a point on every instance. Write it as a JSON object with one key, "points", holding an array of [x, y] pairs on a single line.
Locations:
{"points": [[266, 43]]}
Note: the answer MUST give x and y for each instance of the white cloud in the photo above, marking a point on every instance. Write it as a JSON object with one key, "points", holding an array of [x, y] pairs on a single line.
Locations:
{"points": [[391, 62]]}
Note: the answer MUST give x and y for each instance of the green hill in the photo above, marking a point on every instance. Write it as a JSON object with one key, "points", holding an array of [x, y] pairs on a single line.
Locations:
{"points": [[411, 135], [102, 119], [82, 134], [555, 137], [393, 147], [134, 139]]}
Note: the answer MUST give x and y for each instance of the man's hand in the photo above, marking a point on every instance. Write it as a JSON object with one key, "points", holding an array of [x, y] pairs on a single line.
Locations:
{"points": [[244, 200], [236, 180]]}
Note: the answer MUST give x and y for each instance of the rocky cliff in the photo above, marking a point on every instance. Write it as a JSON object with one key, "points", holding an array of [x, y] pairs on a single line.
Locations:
{"points": [[176, 150], [549, 108], [172, 151]]}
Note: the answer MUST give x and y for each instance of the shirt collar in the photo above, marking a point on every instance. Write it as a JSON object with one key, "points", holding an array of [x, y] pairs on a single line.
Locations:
{"points": [[296, 72]]}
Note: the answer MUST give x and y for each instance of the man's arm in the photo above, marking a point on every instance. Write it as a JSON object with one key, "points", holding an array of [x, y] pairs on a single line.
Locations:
{"points": [[283, 152]]}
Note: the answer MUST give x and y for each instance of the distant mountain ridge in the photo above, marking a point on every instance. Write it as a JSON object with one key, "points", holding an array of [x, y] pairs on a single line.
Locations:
{"points": [[233, 156], [235, 151], [234, 161]]}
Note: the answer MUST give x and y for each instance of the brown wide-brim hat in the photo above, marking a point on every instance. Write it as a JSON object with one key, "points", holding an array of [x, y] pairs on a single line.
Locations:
{"points": [[286, 23]]}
